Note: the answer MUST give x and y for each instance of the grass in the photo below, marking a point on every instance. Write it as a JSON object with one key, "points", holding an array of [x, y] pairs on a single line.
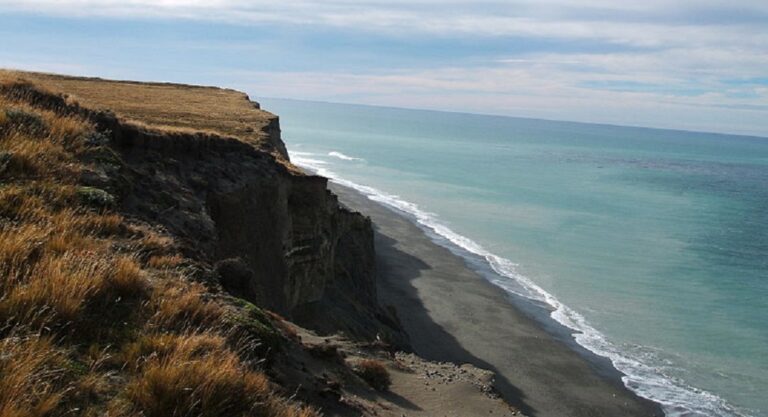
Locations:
{"points": [[169, 107], [96, 316], [165, 261], [198, 374], [183, 306], [33, 376], [374, 373]]}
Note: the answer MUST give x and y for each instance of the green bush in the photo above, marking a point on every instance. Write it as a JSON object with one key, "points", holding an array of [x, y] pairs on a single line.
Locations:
{"points": [[253, 325], [95, 197]]}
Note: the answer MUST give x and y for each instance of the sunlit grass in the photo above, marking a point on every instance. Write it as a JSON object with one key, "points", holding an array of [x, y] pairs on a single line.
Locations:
{"points": [[96, 314]]}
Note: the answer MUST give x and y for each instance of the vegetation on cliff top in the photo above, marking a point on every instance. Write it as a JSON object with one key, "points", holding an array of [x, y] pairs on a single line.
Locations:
{"points": [[98, 314]]}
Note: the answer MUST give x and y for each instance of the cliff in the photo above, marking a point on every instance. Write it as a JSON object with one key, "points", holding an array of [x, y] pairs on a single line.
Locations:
{"points": [[266, 231], [161, 256]]}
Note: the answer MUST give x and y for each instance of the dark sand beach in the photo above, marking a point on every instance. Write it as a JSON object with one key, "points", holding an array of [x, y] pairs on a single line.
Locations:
{"points": [[452, 314]]}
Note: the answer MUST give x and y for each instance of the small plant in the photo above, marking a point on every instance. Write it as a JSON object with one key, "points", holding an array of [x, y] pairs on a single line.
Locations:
{"points": [[165, 261], [5, 161], [183, 305], [324, 351], [374, 373], [33, 380], [95, 197], [26, 122], [125, 278], [252, 324]]}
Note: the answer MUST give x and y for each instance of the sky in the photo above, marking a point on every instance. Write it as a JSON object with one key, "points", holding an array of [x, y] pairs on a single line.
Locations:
{"points": [[686, 64]]}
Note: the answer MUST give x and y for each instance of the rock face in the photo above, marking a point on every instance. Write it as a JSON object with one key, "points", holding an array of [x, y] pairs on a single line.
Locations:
{"points": [[266, 231], [277, 237]]}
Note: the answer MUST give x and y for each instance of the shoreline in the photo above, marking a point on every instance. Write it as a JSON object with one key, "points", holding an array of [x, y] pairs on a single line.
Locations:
{"points": [[453, 314]]}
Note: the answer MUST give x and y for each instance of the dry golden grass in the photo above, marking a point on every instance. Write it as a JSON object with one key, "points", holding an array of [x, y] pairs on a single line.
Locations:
{"points": [[285, 327], [181, 306], [374, 373], [172, 107], [34, 201], [198, 375], [68, 281], [164, 261], [32, 382], [56, 289], [17, 247], [125, 278], [152, 242]]}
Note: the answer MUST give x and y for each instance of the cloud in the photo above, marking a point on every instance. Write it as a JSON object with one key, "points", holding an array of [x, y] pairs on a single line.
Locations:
{"points": [[646, 24], [589, 59], [538, 86]]}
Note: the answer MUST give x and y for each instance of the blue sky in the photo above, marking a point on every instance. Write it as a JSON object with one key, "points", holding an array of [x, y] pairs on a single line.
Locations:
{"points": [[687, 64]]}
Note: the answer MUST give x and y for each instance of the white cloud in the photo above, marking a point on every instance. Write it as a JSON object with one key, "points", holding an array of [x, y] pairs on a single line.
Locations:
{"points": [[659, 44], [530, 91]]}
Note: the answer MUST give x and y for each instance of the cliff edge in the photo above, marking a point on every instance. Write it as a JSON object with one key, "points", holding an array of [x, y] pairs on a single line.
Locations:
{"points": [[215, 256], [211, 168]]}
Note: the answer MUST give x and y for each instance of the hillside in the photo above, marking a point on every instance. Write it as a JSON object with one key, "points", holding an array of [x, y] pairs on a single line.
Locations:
{"points": [[160, 256]]}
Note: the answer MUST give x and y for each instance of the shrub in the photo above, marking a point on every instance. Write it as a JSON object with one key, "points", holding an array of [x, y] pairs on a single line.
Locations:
{"points": [[252, 327], [25, 122], [325, 351], [198, 375], [374, 373], [95, 197]]}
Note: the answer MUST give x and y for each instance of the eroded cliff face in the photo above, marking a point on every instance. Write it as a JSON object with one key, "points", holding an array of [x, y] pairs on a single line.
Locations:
{"points": [[272, 235], [261, 228]]}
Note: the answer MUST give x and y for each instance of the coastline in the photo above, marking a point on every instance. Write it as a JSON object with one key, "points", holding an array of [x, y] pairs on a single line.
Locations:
{"points": [[453, 314]]}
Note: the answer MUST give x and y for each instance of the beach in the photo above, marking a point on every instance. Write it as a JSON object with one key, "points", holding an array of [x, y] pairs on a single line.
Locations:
{"points": [[452, 314]]}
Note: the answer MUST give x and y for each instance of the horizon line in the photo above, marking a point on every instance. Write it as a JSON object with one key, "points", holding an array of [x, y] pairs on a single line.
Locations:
{"points": [[542, 119]]}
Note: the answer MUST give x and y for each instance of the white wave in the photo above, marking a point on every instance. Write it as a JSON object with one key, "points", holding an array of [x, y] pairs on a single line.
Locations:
{"points": [[305, 159], [344, 157], [676, 397]]}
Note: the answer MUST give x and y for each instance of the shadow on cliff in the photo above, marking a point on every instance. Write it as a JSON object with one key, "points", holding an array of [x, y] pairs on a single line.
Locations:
{"points": [[394, 263]]}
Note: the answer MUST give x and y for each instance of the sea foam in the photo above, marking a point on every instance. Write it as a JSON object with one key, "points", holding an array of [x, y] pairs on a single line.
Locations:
{"points": [[344, 157], [676, 397]]}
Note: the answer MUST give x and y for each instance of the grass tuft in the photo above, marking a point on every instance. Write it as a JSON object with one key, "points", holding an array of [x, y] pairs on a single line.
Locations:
{"points": [[165, 261], [197, 374], [33, 379], [184, 306], [374, 373]]}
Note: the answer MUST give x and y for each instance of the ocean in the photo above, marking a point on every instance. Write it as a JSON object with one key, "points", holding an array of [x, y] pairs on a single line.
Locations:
{"points": [[650, 245]]}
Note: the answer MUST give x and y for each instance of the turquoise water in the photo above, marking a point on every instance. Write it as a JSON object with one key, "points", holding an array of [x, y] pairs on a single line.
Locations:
{"points": [[651, 244]]}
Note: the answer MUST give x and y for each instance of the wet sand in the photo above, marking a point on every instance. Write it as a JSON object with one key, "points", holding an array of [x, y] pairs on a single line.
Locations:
{"points": [[452, 314]]}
